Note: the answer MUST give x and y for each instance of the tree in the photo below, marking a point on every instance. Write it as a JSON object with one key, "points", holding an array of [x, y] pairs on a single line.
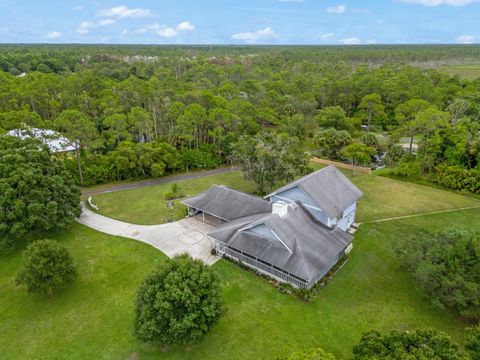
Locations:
{"points": [[270, 160], [178, 302], [79, 130], [370, 140], [141, 120], [445, 266], [373, 108], [406, 114], [333, 117], [331, 141], [47, 266], [19, 119], [400, 345], [358, 154], [472, 342], [37, 193], [116, 129]]}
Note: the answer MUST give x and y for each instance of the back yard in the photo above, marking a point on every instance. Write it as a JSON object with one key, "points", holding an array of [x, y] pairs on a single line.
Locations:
{"points": [[93, 318]]}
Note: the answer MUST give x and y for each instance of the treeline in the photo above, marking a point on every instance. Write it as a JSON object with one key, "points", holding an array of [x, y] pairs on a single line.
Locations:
{"points": [[136, 112], [18, 58]]}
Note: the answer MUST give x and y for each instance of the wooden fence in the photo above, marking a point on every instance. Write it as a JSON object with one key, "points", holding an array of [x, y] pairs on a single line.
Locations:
{"points": [[360, 169]]}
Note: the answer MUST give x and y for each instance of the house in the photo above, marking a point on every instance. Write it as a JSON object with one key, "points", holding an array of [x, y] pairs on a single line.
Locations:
{"points": [[54, 140], [295, 235], [327, 194]]}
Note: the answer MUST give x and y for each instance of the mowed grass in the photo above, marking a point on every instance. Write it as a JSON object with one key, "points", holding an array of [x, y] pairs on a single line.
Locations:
{"points": [[384, 198], [93, 318], [147, 206]]}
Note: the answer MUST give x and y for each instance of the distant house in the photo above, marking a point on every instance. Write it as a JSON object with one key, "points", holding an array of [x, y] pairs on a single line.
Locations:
{"points": [[296, 236], [54, 140]]}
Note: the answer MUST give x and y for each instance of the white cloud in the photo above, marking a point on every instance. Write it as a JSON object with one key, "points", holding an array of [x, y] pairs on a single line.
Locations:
{"points": [[439, 2], [3, 29], [78, 8], [53, 35], [264, 34], [371, 41], [339, 9], [327, 35], [166, 32], [465, 39], [290, 1], [185, 26], [124, 32], [350, 41], [86, 26], [122, 12]]}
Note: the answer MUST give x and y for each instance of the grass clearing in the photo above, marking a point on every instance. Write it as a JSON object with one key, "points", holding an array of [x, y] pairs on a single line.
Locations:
{"points": [[465, 71], [93, 318]]}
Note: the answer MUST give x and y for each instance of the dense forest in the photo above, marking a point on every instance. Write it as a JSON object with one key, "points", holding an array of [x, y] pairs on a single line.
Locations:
{"points": [[144, 111]]}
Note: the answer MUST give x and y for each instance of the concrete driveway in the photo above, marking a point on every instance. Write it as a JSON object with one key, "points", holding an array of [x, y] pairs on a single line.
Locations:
{"points": [[183, 236]]}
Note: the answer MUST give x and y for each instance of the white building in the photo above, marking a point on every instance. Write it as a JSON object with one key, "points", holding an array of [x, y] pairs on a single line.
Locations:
{"points": [[54, 140]]}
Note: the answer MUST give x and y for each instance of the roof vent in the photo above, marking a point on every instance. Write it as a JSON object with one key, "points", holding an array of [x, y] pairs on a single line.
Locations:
{"points": [[280, 208]]}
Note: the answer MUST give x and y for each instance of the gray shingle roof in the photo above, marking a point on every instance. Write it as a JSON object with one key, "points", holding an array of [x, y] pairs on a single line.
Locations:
{"points": [[228, 204], [300, 244], [329, 188]]}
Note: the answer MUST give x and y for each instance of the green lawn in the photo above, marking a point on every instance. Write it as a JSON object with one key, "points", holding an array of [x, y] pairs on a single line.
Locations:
{"points": [[384, 198], [93, 318], [148, 206]]}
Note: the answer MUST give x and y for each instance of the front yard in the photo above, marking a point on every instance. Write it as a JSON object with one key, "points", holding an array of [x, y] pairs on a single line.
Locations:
{"points": [[93, 318]]}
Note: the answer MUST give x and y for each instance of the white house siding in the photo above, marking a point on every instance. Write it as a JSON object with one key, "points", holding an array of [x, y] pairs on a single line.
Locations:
{"points": [[348, 217]]}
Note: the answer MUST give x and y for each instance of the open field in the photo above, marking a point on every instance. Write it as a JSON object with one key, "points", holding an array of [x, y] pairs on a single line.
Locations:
{"points": [[465, 71], [384, 198], [93, 318]]}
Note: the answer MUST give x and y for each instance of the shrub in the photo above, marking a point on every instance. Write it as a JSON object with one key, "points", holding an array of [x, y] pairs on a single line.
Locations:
{"points": [[457, 178], [47, 265], [400, 345], [472, 342], [445, 265], [178, 303]]}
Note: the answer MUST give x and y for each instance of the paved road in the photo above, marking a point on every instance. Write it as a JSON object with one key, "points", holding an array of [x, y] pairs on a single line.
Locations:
{"points": [[151, 182], [186, 235]]}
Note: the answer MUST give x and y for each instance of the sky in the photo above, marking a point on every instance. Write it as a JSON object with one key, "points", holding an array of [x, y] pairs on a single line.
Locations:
{"points": [[241, 21]]}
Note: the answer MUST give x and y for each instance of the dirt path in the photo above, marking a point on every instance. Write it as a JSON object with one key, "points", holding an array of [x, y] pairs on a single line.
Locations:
{"points": [[420, 214], [150, 182]]}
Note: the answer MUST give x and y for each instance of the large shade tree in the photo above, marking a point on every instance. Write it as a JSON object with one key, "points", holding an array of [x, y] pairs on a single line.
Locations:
{"points": [[37, 194], [178, 302], [271, 160]]}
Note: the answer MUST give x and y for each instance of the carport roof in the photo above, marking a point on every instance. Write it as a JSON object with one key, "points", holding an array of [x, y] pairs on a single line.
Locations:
{"points": [[228, 204]]}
